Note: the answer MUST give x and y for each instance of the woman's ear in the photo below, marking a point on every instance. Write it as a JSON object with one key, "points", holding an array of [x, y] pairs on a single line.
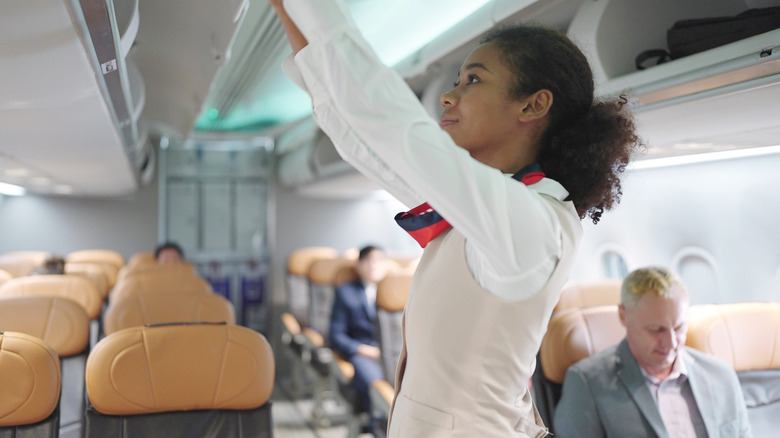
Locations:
{"points": [[537, 105]]}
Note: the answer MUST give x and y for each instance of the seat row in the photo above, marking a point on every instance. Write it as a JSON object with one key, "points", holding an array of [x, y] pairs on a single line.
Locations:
{"points": [[745, 335], [180, 381], [313, 274], [59, 308]]}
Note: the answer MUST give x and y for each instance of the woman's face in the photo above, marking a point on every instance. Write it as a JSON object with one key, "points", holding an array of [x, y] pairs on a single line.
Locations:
{"points": [[478, 113]]}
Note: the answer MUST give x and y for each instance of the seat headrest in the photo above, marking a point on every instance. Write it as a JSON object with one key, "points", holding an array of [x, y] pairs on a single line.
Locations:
{"points": [[92, 272], [157, 307], [575, 334], [746, 335], [170, 277], [29, 378], [72, 287], [5, 276], [326, 271], [183, 367], [300, 260], [61, 323], [392, 291], [97, 255], [590, 293]]}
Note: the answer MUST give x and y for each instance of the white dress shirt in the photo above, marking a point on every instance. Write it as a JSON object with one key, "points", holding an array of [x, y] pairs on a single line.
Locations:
{"points": [[513, 239], [676, 403]]}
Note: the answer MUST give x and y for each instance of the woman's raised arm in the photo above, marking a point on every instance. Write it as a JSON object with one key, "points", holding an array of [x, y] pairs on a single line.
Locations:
{"points": [[294, 35]]}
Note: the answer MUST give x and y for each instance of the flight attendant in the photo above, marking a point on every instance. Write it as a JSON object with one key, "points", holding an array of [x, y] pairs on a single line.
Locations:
{"points": [[521, 154]]}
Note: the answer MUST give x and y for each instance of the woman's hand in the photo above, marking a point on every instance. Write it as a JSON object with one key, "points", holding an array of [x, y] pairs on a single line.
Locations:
{"points": [[294, 35]]}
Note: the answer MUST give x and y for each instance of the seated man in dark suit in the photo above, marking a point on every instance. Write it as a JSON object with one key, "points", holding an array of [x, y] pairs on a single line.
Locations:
{"points": [[651, 384], [352, 320]]}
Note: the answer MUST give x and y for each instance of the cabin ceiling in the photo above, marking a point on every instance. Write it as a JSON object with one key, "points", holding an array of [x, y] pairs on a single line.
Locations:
{"points": [[195, 68]]}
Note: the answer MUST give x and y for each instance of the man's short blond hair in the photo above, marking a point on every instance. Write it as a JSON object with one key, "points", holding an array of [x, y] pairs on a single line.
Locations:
{"points": [[654, 279]]}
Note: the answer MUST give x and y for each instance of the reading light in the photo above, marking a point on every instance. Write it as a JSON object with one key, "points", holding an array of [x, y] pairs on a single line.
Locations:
{"points": [[11, 189], [703, 157]]}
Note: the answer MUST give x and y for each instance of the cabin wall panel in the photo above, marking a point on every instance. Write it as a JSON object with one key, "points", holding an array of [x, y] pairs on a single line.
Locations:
{"points": [[63, 224], [727, 208], [337, 223]]}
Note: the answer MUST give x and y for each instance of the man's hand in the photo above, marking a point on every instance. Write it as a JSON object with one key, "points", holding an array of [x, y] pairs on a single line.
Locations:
{"points": [[368, 351]]}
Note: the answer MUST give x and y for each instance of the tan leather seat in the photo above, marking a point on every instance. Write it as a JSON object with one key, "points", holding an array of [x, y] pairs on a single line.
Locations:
{"points": [[97, 255], [173, 277], [391, 297], [324, 275], [5, 276], [572, 335], [30, 381], [183, 380], [33, 257], [589, 293], [21, 264], [109, 261], [72, 287], [155, 307], [295, 320], [298, 264], [64, 326], [62, 323], [747, 336], [575, 334], [140, 258], [93, 272]]}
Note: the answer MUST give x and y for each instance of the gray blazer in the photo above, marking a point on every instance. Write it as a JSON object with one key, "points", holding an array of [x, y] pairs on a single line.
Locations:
{"points": [[606, 396]]}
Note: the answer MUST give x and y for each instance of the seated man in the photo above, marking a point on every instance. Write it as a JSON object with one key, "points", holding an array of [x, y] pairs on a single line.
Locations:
{"points": [[352, 320], [651, 384], [169, 252], [51, 266]]}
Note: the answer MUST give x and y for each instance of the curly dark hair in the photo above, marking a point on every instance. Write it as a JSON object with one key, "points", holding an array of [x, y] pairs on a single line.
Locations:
{"points": [[587, 144]]}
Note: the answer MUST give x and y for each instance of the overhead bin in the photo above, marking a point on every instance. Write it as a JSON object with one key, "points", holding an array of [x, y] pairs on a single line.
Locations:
{"points": [[685, 105], [613, 33]]}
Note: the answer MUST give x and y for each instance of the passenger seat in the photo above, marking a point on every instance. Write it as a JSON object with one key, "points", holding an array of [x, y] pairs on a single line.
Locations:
{"points": [[390, 301], [30, 370], [574, 295], [573, 335], [180, 381], [64, 326], [145, 307], [747, 336]]}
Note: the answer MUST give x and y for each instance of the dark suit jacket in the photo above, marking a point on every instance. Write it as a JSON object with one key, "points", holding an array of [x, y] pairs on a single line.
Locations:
{"points": [[606, 396], [351, 322]]}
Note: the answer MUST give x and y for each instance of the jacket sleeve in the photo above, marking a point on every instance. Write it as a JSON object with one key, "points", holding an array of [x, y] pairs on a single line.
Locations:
{"points": [[576, 414], [339, 326]]}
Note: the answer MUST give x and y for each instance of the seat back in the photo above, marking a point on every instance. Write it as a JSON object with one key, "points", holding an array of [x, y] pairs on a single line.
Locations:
{"points": [[72, 287], [30, 380], [391, 297], [575, 334], [5, 276], [298, 264], [589, 293], [109, 261], [324, 276], [22, 263], [92, 272], [172, 277], [572, 335], [64, 326], [147, 307], [62, 323], [747, 336], [183, 380]]}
